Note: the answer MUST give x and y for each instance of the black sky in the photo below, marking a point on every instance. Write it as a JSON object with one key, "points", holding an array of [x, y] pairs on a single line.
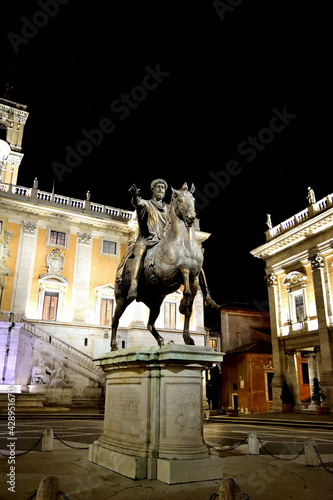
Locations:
{"points": [[225, 78]]}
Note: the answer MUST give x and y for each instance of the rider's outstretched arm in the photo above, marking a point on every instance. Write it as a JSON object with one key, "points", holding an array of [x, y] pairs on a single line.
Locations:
{"points": [[135, 193]]}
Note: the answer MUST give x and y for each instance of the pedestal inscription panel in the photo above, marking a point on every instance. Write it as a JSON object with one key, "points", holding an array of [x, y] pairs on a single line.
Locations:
{"points": [[183, 413], [124, 405]]}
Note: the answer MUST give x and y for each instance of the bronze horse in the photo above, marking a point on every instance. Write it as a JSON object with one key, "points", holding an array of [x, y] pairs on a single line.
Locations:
{"points": [[174, 261]]}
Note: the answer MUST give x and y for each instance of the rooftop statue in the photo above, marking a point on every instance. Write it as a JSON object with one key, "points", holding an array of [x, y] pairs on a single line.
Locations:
{"points": [[165, 256]]}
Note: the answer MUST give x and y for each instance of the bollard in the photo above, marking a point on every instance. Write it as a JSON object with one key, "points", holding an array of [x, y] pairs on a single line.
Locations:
{"points": [[229, 489], [47, 440], [48, 488], [311, 456], [253, 443]]}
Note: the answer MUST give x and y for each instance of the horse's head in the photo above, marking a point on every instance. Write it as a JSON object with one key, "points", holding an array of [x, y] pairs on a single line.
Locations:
{"points": [[182, 202]]}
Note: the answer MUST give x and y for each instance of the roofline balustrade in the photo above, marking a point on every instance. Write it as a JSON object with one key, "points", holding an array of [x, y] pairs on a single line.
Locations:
{"points": [[295, 220], [44, 197]]}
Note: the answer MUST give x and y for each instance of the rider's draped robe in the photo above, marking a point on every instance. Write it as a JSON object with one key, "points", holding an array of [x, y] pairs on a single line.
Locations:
{"points": [[153, 219]]}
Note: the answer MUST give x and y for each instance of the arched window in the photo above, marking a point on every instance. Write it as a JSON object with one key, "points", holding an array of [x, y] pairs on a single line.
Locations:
{"points": [[295, 283]]}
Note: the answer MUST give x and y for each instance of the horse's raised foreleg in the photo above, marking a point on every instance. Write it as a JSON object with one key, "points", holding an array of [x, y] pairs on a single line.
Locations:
{"points": [[121, 305], [153, 315]]}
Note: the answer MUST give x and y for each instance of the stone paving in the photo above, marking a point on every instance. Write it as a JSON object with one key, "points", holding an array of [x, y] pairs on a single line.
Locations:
{"points": [[259, 477]]}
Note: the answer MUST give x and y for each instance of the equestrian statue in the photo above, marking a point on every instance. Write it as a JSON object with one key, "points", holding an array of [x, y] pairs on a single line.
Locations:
{"points": [[165, 256]]}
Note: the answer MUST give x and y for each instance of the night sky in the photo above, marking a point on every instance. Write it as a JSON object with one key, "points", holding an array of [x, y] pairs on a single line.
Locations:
{"points": [[232, 97]]}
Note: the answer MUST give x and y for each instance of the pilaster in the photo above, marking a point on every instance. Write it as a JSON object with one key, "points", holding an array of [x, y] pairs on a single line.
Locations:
{"points": [[326, 364], [81, 279], [272, 287], [24, 267]]}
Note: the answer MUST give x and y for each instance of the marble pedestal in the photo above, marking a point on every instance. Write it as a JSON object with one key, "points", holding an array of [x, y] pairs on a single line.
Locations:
{"points": [[153, 425]]}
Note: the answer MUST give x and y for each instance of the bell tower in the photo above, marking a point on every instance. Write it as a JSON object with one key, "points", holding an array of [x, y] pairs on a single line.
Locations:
{"points": [[13, 117]]}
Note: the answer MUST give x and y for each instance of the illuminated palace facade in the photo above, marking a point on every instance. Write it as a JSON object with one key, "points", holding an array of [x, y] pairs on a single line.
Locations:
{"points": [[58, 261], [299, 276]]}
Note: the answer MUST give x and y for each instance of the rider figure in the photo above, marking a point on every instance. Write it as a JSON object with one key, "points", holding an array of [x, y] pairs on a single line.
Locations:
{"points": [[153, 219]]}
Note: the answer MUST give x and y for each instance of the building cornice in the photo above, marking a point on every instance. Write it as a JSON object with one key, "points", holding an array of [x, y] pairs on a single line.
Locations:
{"points": [[43, 205], [293, 235], [44, 213]]}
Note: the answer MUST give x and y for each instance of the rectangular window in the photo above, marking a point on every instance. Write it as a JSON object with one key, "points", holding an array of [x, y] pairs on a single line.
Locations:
{"points": [[57, 238], [269, 378], [106, 312], [305, 373], [299, 307], [109, 247], [213, 344], [170, 315], [50, 306]]}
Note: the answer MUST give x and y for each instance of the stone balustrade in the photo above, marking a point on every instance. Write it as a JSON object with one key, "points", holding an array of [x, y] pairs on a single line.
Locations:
{"points": [[71, 352], [300, 217], [65, 201]]}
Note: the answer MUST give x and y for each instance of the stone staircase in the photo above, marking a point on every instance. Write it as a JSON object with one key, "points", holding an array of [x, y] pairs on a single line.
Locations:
{"points": [[21, 343], [70, 354]]}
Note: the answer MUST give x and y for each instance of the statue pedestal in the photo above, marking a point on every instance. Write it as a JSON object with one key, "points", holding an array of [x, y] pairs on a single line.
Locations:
{"points": [[153, 425]]}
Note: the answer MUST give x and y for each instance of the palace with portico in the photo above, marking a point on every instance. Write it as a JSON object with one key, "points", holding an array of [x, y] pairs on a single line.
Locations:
{"points": [[58, 262], [299, 257]]}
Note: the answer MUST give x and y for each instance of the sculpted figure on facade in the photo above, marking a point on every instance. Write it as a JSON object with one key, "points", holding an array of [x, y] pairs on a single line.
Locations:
{"points": [[57, 377], [4, 247], [311, 196], [40, 373], [269, 221]]}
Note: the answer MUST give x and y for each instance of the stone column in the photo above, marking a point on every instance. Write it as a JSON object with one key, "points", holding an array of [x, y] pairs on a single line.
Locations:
{"points": [[272, 286], [292, 379], [81, 278], [312, 367], [326, 364], [24, 267]]}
